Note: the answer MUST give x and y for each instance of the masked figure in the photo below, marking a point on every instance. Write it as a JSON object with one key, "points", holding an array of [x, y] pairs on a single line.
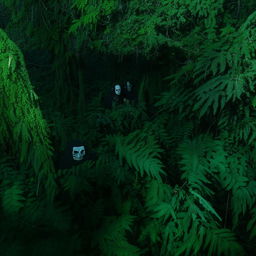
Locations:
{"points": [[74, 154], [78, 153], [116, 97], [129, 94]]}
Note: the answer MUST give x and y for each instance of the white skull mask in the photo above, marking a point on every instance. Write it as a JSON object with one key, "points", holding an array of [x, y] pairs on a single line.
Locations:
{"points": [[78, 153], [117, 89]]}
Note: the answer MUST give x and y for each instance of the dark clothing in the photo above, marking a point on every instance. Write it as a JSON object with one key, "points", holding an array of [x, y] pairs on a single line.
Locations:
{"points": [[116, 99], [130, 97], [64, 159], [112, 100]]}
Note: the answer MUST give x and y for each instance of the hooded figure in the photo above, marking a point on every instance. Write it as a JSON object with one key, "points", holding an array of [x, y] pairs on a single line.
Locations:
{"points": [[74, 154], [129, 94], [116, 97]]}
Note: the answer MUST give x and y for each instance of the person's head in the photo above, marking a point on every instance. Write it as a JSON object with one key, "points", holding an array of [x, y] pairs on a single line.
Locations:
{"points": [[77, 148], [117, 90], [128, 86]]}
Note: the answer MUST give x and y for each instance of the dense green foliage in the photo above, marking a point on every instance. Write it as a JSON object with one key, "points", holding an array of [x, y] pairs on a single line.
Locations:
{"points": [[175, 174]]}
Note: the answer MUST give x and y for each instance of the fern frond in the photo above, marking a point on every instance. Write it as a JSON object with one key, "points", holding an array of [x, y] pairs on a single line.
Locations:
{"points": [[243, 199], [193, 162], [211, 242], [151, 230], [141, 153], [127, 117], [215, 93], [176, 99], [156, 192], [205, 204], [111, 237], [13, 199], [222, 241]]}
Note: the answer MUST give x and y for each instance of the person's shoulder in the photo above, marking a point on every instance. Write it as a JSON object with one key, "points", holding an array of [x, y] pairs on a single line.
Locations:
{"points": [[92, 155]]}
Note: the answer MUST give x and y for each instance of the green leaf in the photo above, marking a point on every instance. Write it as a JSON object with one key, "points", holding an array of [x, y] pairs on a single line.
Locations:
{"points": [[205, 204]]}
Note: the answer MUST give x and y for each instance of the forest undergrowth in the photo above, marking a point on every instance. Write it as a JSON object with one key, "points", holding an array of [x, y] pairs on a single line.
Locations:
{"points": [[175, 174]]}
